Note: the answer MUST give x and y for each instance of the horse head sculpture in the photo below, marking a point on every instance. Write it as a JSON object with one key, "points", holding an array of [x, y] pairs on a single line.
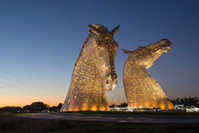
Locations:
{"points": [[104, 54], [147, 55], [141, 88], [94, 71]]}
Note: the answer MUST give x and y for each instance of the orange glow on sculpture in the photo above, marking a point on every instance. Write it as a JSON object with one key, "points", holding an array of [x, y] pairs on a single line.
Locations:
{"points": [[141, 89], [170, 105], [104, 109], [94, 108], [84, 108], [94, 72], [147, 104]]}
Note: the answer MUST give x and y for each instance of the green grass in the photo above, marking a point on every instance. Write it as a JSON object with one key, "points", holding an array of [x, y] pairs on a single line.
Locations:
{"points": [[12, 124]]}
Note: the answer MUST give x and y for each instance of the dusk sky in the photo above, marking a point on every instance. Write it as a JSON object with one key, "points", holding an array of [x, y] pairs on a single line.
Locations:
{"points": [[40, 41]]}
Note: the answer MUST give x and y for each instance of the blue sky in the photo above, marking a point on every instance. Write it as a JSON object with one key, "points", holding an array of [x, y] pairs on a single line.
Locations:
{"points": [[40, 41]]}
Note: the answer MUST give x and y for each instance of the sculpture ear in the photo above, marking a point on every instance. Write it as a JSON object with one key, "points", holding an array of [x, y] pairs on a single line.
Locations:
{"points": [[94, 30], [126, 51], [115, 30]]}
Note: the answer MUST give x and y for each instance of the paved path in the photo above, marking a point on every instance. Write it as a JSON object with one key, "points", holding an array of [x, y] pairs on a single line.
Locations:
{"points": [[115, 118]]}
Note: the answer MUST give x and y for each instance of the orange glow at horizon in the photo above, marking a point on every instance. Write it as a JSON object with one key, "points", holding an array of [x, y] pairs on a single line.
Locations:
{"points": [[17, 102]]}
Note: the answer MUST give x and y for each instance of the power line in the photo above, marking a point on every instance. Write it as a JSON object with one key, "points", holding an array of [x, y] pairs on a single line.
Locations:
{"points": [[20, 87], [15, 97], [23, 88], [14, 90], [21, 98], [25, 79]]}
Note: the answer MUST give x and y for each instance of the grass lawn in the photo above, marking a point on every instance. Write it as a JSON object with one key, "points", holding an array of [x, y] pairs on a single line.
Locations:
{"points": [[12, 124]]}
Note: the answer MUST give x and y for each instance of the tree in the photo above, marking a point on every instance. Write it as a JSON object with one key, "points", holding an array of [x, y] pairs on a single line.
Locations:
{"points": [[112, 106], [60, 105], [123, 105], [11, 109], [186, 101], [36, 106]]}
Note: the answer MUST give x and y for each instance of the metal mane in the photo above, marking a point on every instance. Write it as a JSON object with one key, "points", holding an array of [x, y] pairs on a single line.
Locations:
{"points": [[97, 26]]}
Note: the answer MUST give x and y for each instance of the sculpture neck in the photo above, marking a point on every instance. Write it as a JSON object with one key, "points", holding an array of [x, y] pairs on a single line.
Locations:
{"points": [[133, 66], [85, 64]]}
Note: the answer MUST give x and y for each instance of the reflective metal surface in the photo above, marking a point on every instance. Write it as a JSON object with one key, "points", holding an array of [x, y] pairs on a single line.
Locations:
{"points": [[94, 72], [141, 89]]}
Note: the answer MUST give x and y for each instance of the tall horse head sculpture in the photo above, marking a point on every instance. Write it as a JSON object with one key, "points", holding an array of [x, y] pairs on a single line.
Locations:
{"points": [[94, 72], [141, 88]]}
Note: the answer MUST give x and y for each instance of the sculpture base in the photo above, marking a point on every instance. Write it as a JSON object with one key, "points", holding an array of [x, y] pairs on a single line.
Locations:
{"points": [[162, 104], [73, 106]]}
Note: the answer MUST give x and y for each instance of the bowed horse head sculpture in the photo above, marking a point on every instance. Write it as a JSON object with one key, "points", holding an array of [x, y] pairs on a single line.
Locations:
{"points": [[104, 50], [94, 72]]}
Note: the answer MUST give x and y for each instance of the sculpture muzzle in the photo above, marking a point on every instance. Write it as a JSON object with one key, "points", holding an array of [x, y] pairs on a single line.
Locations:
{"points": [[110, 81]]}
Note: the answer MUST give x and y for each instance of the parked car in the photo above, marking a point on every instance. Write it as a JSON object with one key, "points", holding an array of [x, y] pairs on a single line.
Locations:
{"points": [[191, 109], [179, 107]]}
